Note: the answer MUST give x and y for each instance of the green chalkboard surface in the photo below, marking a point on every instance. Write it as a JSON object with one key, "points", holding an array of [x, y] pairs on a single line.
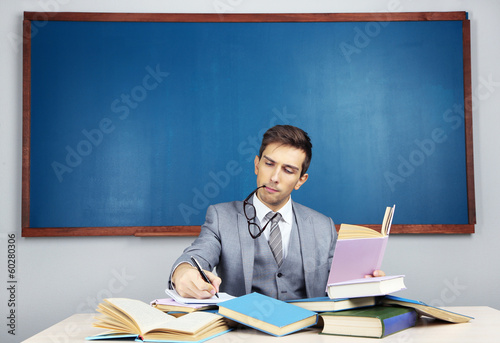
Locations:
{"points": [[136, 123]]}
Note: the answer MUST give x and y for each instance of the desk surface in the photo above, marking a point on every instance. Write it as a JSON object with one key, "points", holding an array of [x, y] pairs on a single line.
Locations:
{"points": [[483, 328]]}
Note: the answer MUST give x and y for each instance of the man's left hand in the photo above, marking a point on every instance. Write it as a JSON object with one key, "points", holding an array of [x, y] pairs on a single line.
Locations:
{"points": [[376, 273]]}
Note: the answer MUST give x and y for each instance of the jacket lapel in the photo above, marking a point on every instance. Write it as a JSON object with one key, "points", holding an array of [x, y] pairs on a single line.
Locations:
{"points": [[307, 248], [247, 251]]}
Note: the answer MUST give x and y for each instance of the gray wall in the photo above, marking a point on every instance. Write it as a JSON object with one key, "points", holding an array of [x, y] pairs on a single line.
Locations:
{"points": [[57, 277]]}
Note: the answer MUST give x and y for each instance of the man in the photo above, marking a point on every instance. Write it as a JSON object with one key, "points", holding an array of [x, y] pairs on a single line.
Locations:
{"points": [[286, 255]]}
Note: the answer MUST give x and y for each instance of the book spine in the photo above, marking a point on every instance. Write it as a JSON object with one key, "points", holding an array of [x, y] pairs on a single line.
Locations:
{"points": [[398, 323]]}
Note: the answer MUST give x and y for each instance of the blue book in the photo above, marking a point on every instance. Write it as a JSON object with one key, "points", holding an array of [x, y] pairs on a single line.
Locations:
{"points": [[267, 314], [375, 321]]}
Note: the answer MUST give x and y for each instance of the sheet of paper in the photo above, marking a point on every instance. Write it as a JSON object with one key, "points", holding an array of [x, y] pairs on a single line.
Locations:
{"points": [[211, 301]]}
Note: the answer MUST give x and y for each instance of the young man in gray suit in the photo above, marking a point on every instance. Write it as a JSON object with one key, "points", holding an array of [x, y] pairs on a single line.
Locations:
{"points": [[266, 243]]}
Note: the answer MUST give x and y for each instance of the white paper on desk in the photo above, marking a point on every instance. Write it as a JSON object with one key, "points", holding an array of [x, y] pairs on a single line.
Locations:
{"points": [[211, 301]]}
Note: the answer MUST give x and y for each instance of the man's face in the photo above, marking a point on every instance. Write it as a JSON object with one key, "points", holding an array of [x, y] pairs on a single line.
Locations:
{"points": [[279, 170]]}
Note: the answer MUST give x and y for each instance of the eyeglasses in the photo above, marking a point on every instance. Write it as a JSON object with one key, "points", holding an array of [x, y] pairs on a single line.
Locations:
{"points": [[253, 228]]}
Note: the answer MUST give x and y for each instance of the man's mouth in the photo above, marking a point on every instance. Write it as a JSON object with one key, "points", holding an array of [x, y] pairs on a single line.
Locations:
{"points": [[271, 190]]}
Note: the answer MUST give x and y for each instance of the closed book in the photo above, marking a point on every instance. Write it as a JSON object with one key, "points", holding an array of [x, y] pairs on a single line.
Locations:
{"points": [[375, 321], [267, 314], [373, 286], [324, 304], [173, 307]]}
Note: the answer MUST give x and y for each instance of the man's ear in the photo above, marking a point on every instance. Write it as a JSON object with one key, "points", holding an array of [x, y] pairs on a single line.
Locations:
{"points": [[256, 163], [301, 181]]}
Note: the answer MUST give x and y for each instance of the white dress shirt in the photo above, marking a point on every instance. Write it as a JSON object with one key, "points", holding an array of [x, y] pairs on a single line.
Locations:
{"points": [[285, 223]]}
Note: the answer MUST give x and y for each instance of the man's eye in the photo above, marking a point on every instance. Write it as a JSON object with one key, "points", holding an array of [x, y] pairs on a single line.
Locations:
{"points": [[289, 171]]}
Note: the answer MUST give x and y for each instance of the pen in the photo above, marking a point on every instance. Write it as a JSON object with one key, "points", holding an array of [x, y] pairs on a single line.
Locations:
{"points": [[202, 273]]}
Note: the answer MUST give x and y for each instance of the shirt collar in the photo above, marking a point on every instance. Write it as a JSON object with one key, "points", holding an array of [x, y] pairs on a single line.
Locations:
{"points": [[261, 210]]}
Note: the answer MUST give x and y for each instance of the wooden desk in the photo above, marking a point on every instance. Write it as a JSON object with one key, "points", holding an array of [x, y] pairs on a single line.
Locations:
{"points": [[484, 328]]}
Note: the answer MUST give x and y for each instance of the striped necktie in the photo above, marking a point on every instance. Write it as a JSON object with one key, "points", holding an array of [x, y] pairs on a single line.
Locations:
{"points": [[275, 237]]}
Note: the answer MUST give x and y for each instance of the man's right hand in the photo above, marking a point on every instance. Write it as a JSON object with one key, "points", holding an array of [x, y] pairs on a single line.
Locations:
{"points": [[189, 283]]}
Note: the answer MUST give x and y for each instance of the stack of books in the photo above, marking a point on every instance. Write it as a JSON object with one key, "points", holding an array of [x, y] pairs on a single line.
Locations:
{"points": [[355, 305], [378, 317], [361, 306], [359, 252]]}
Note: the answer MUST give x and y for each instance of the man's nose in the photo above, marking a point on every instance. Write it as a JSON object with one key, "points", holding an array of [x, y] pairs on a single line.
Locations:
{"points": [[275, 175]]}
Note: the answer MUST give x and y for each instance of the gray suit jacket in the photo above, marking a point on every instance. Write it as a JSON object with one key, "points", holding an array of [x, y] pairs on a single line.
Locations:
{"points": [[225, 244]]}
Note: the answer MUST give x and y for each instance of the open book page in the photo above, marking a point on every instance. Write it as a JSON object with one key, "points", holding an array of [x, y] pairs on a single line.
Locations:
{"points": [[116, 325], [191, 323], [387, 222], [143, 316], [348, 231]]}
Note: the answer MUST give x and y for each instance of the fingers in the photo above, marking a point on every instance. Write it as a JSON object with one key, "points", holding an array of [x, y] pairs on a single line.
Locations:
{"points": [[376, 273], [214, 280], [189, 283]]}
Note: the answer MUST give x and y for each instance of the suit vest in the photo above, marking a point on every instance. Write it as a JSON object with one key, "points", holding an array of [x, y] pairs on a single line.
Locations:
{"points": [[285, 282]]}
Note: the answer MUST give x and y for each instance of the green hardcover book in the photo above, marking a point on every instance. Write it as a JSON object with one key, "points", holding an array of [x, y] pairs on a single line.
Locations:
{"points": [[376, 321]]}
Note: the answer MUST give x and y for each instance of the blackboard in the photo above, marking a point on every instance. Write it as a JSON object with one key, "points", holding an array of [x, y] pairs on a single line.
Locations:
{"points": [[135, 123]]}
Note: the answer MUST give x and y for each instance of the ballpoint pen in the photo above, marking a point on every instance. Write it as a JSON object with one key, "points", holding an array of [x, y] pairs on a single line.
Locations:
{"points": [[202, 273]]}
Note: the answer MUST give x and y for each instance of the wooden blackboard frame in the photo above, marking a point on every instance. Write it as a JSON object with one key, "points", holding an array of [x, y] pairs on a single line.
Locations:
{"points": [[28, 231]]}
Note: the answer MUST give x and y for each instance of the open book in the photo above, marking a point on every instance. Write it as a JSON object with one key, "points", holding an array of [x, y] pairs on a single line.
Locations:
{"points": [[133, 318], [426, 310], [348, 231], [359, 251]]}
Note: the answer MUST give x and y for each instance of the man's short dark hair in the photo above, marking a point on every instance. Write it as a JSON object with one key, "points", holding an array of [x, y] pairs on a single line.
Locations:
{"points": [[290, 136]]}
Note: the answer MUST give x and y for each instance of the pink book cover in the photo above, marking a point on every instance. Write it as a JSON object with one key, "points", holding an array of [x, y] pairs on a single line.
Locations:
{"points": [[355, 258]]}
